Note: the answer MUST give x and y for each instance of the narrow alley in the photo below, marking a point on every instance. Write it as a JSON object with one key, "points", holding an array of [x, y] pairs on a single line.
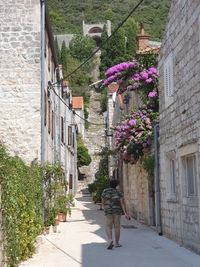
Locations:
{"points": [[81, 242]]}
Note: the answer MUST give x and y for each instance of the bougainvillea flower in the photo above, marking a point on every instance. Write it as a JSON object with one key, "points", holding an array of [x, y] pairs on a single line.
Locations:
{"points": [[152, 94]]}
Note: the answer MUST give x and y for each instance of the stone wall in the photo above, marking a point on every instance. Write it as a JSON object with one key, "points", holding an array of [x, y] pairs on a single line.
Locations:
{"points": [[179, 122], [139, 198], [20, 77]]}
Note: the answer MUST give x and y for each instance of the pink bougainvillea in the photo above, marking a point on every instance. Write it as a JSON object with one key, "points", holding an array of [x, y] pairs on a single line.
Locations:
{"points": [[133, 137]]}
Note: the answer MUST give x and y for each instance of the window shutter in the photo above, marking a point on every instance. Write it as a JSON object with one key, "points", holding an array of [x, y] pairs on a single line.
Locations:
{"points": [[62, 130], [69, 135], [168, 76], [52, 127], [49, 117]]}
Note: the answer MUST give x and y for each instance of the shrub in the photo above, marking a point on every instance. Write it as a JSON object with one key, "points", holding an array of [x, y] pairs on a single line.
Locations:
{"points": [[21, 189]]}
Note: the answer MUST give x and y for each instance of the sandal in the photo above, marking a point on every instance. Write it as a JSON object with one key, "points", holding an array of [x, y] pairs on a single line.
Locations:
{"points": [[118, 245], [110, 245]]}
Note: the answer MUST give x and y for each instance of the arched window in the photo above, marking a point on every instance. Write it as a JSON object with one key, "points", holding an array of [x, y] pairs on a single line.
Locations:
{"points": [[95, 30]]}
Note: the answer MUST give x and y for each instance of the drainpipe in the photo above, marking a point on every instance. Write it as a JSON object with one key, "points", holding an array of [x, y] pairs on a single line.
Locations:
{"points": [[42, 97], [157, 182], [42, 80], [59, 121], [65, 138]]}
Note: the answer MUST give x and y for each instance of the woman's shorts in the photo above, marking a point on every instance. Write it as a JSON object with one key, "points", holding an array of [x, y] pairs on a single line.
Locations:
{"points": [[113, 220]]}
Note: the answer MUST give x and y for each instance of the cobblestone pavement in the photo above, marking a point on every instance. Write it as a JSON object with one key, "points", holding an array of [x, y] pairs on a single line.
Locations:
{"points": [[81, 242]]}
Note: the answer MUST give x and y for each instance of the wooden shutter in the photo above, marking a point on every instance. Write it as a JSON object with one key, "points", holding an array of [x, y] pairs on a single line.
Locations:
{"points": [[168, 77], [49, 117], [52, 127], [62, 130], [69, 135]]}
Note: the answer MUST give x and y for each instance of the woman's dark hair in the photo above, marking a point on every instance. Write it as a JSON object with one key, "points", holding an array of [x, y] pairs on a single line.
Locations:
{"points": [[114, 183]]}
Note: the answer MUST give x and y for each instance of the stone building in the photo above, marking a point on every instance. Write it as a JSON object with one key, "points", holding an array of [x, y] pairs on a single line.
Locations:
{"points": [[33, 118], [180, 124], [135, 182], [95, 30]]}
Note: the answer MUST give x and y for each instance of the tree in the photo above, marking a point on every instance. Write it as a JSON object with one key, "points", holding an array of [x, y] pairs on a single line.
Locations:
{"points": [[131, 28], [83, 157], [57, 49], [81, 47], [104, 59], [110, 15], [113, 51], [63, 56]]}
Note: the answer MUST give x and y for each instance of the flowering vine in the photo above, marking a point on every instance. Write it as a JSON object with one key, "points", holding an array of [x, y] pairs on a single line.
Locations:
{"points": [[133, 137], [131, 76]]}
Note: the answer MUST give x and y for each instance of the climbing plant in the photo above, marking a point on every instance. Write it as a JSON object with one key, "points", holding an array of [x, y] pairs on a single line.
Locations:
{"points": [[21, 205]]}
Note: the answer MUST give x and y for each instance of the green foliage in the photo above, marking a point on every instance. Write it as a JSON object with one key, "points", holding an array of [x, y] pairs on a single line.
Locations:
{"points": [[103, 99], [50, 217], [64, 54], [96, 188], [60, 204], [147, 60], [69, 14], [131, 28], [58, 52], [148, 164], [21, 188], [64, 203], [83, 157], [81, 47]]}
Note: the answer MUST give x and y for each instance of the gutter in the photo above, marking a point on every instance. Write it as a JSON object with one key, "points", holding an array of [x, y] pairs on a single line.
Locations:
{"points": [[157, 182]]}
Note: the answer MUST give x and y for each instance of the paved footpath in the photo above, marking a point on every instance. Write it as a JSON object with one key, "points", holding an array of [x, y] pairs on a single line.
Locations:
{"points": [[80, 242]]}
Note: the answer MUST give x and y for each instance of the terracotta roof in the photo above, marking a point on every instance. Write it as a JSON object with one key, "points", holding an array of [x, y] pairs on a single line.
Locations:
{"points": [[77, 102], [113, 87], [154, 50]]}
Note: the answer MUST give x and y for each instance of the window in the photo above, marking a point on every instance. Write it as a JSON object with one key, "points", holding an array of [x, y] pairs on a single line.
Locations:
{"points": [[49, 117], [172, 176], [171, 173], [52, 70], [70, 181], [189, 169], [69, 135], [168, 76], [62, 130], [52, 127], [73, 140]]}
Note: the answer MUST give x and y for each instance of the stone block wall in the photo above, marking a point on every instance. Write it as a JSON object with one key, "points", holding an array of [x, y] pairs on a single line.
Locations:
{"points": [[20, 77], [179, 121], [138, 193]]}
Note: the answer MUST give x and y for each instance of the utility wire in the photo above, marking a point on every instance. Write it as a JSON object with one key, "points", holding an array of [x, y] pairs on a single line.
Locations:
{"points": [[74, 112], [101, 45]]}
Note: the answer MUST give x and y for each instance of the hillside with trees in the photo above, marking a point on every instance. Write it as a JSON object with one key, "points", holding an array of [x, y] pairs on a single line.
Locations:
{"points": [[67, 15]]}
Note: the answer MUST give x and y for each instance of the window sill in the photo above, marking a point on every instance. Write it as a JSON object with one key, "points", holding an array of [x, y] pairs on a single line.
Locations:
{"points": [[172, 198]]}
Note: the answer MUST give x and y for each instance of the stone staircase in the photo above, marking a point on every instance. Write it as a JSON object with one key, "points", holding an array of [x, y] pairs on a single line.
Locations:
{"points": [[94, 139]]}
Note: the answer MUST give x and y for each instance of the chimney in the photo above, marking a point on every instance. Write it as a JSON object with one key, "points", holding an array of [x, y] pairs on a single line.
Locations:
{"points": [[142, 38]]}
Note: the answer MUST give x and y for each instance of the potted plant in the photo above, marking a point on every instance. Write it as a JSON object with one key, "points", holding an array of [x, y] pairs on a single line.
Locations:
{"points": [[61, 208], [50, 219]]}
